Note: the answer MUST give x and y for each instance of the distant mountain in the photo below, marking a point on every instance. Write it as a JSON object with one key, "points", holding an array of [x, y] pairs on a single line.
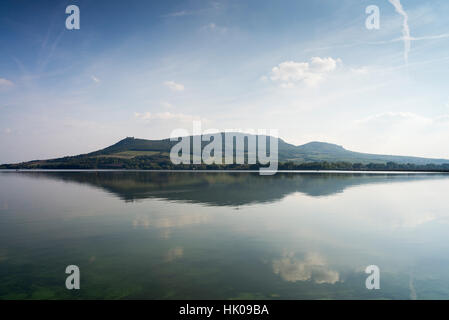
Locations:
{"points": [[322, 151], [312, 151], [131, 153]]}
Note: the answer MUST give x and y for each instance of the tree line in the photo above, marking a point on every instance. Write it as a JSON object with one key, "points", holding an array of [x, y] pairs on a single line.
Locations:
{"points": [[159, 162]]}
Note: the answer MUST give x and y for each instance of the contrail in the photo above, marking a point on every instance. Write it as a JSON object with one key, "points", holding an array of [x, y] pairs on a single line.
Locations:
{"points": [[405, 28], [401, 39]]}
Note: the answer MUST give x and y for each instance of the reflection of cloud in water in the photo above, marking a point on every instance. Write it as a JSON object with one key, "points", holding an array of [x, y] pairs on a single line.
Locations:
{"points": [[313, 267], [166, 223], [174, 253], [170, 221], [416, 220], [3, 255], [413, 295], [3, 205], [166, 234]]}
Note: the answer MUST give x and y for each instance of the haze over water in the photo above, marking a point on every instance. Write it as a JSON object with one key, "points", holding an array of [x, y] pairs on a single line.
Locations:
{"points": [[234, 235]]}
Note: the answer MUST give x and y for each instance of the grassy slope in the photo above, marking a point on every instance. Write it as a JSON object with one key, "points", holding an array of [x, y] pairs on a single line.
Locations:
{"points": [[157, 151]]}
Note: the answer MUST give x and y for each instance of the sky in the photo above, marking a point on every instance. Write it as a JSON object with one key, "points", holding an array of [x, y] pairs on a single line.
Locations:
{"points": [[311, 69]]}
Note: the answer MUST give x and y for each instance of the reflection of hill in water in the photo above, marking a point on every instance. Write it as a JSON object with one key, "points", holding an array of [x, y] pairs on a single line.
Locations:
{"points": [[224, 189]]}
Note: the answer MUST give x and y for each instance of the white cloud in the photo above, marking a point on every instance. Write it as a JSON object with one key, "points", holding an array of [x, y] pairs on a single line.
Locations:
{"points": [[402, 119], [396, 118], [402, 133], [166, 104], [165, 116], [212, 7], [434, 37], [178, 14], [405, 27], [361, 70], [290, 72], [214, 27], [442, 119], [323, 64], [5, 83], [174, 86]]}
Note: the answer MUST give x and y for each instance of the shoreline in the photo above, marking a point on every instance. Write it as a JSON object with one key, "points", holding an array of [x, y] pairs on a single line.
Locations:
{"points": [[232, 171]]}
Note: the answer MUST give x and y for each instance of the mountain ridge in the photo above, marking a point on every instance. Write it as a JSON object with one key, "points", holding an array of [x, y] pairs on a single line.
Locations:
{"points": [[157, 151]]}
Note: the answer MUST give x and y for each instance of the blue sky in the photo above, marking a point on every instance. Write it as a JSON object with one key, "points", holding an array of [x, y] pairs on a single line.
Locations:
{"points": [[310, 69]]}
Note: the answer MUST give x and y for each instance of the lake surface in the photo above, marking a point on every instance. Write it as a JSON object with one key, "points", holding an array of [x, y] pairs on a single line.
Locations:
{"points": [[178, 235]]}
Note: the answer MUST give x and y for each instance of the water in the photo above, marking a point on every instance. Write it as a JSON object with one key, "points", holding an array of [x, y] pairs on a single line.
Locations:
{"points": [[200, 235]]}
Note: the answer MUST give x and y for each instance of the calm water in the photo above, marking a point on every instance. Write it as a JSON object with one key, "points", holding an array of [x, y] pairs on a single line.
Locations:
{"points": [[223, 235]]}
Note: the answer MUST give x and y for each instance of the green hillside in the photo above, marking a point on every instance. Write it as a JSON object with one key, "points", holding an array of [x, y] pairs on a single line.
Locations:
{"points": [[131, 153]]}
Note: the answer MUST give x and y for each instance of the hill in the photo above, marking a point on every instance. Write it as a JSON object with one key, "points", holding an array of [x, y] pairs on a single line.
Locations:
{"points": [[132, 153]]}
